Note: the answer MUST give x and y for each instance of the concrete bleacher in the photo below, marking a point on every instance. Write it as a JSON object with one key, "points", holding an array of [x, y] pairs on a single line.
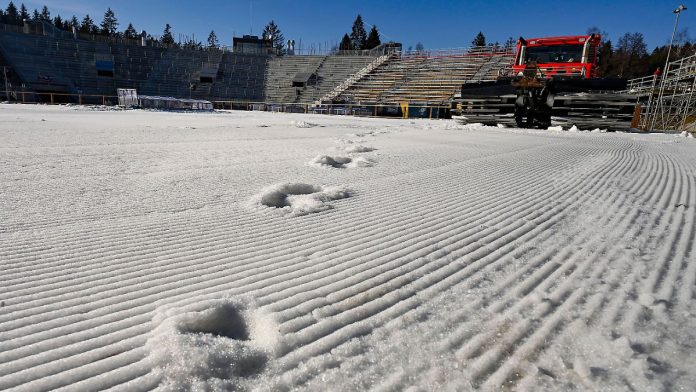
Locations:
{"points": [[60, 63], [240, 76], [333, 71], [426, 78], [280, 73], [69, 65]]}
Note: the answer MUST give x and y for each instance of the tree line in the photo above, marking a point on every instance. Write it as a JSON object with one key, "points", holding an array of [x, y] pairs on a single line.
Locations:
{"points": [[359, 38], [629, 56], [12, 15]]}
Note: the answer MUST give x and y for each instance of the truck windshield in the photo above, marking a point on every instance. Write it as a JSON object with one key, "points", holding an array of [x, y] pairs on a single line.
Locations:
{"points": [[554, 54]]}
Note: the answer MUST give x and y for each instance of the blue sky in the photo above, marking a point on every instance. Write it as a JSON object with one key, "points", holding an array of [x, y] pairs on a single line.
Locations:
{"points": [[437, 23]]}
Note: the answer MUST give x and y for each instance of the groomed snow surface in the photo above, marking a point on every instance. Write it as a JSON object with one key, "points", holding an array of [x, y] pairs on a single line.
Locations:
{"points": [[259, 251]]}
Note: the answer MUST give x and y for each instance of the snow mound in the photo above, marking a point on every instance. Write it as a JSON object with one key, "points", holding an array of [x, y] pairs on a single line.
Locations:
{"points": [[325, 160], [686, 134], [340, 162], [361, 162], [358, 148], [303, 124], [555, 128], [299, 198], [212, 347]]}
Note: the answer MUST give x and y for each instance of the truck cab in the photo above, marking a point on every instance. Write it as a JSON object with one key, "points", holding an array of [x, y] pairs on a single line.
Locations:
{"points": [[570, 56]]}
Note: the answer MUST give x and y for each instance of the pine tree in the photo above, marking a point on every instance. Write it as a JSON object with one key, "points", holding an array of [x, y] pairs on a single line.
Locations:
{"points": [[213, 40], [35, 16], [74, 23], [2, 16], [346, 44], [130, 32], [373, 40], [23, 13], [271, 30], [109, 26], [358, 36], [45, 15], [58, 22], [87, 25], [419, 47], [480, 40], [192, 44], [167, 37], [11, 14]]}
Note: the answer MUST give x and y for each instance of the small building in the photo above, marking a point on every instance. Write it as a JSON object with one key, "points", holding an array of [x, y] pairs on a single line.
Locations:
{"points": [[251, 44]]}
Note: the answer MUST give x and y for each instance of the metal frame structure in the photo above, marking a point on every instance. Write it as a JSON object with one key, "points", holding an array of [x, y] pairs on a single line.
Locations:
{"points": [[671, 101]]}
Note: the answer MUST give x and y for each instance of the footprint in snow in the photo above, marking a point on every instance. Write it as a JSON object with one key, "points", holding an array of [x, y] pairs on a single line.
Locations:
{"points": [[299, 198], [340, 162], [358, 148], [212, 344]]}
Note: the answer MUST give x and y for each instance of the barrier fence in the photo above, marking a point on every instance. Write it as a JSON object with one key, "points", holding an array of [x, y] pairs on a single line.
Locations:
{"points": [[58, 98], [395, 110]]}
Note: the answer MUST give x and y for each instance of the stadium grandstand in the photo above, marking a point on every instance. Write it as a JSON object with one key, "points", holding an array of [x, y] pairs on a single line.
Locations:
{"points": [[42, 63]]}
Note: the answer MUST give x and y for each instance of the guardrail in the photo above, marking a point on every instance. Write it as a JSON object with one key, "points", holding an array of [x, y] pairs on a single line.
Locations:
{"points": [[401, 110], [457, 52], [58, 98], [397, 110]]}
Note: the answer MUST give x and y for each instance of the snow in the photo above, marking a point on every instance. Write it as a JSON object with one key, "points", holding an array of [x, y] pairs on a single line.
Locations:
{"points": [[146, 250], [300, 199]]}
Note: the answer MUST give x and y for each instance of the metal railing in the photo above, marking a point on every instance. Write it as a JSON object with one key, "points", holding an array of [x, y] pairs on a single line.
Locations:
{"points": [[402, 110], [671, 103], [642, 86], [356, 77], [23, 96], [458, 52]]}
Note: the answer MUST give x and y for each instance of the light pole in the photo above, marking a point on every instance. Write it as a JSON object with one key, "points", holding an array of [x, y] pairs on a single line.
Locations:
{"points": [[677, 11]]}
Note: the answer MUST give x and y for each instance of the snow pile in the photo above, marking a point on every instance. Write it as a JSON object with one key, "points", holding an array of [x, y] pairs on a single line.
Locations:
{"points": [[361, 162], [555, 128], [340, 162], [358, 148], [299, 198], [336, 162], [686, 135], [303, 124], [210, 347]]}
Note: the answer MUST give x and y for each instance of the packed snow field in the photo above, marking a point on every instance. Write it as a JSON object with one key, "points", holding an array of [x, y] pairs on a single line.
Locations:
{"points": [[258, 251]]}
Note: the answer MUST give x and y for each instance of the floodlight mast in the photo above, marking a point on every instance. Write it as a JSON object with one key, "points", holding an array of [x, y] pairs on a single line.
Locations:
{"points": [[677, 11]]}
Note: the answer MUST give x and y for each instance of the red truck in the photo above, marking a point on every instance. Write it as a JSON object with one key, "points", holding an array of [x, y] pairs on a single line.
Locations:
{"points": [[575, 56], [551, 78]]}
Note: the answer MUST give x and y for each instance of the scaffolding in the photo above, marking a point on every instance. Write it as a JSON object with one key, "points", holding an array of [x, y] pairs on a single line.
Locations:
{"points": [[671, 99]]}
